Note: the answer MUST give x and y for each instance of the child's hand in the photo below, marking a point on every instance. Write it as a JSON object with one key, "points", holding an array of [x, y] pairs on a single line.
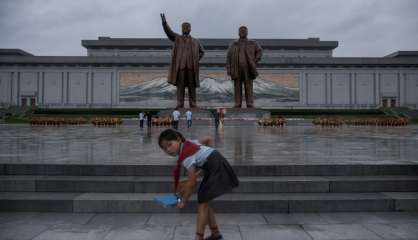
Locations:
{"points": [[206, 141], [181, 205]]}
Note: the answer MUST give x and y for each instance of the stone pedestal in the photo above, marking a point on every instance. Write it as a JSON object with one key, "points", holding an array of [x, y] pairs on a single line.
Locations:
{"points": [[229, 113], [197, 113], [246, 113]]}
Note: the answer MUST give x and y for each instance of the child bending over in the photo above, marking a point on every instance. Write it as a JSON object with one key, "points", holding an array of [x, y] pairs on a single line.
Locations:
{"points": [[200, 160]]}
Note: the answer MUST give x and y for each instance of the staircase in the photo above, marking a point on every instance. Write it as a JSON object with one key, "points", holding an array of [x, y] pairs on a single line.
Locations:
{"points": [[263, 189]]}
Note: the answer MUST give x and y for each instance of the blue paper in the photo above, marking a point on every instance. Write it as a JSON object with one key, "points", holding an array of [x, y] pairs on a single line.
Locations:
{"points": [[167, 200]]}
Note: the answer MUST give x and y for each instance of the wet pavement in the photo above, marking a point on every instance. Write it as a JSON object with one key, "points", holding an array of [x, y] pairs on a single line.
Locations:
{"points": [[316, 226], [242, 144]]}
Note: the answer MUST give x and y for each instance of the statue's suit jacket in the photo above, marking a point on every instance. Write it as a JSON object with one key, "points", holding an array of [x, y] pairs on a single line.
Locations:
{"points": [[179, 46], [253, 54]]}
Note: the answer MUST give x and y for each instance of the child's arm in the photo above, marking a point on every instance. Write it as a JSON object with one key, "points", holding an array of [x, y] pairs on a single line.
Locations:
{"points": [[192, 179], [206, 141]]}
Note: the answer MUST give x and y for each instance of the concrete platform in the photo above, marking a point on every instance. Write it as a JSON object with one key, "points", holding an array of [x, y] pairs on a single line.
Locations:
{"points": [[256, 226]]}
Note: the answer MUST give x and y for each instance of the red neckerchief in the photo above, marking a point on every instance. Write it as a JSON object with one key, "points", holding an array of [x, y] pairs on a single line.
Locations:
{"points": [[188, 149]]}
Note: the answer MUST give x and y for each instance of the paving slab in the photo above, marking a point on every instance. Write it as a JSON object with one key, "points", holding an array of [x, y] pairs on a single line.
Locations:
{"points": [[188, 232], [73, 232], [15, 216], [352, 217], [398, 217], [19, 231], [52, 218], [172, 219], [141, 233], [395, 230], [295, 218], [289, 232], [339, 232], [119, 219]]}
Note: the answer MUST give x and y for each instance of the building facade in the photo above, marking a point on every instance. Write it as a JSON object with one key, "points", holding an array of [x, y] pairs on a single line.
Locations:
{"points": [[294, 73]]}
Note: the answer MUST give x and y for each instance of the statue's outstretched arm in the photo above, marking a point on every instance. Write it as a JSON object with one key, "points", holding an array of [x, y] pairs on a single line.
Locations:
{"points": [[170, 34]]}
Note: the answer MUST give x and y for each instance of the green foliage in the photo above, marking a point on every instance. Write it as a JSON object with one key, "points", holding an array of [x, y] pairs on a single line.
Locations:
{"points": [[308, 113], [414, 121], [90, 112], [21, 117]]}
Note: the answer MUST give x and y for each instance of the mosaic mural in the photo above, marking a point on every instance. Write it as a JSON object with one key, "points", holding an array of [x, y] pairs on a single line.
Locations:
{"points": [[216, 89]]}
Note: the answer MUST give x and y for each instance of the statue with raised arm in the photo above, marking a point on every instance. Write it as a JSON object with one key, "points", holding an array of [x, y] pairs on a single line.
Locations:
{"points": [[242, 57], [184, 67]]}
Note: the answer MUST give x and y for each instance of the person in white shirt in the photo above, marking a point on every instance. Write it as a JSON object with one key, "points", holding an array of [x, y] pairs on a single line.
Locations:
{"points": [[176, 117], [189, 118], [141, 119]]}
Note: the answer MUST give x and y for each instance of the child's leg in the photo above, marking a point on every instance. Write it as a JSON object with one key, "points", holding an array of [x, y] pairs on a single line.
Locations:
{"points": [[202, 219], [212, 222]]}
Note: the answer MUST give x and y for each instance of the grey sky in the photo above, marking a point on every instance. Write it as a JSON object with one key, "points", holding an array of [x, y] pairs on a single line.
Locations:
{"points": [[364, 28]]}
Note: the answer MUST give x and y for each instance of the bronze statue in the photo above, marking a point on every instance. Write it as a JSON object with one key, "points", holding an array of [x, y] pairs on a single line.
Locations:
{"points": [[242, 56], [184, 67]]}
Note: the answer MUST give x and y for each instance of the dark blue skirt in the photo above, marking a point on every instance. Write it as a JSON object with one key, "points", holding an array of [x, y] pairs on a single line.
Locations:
{"points": [[219, 178]]}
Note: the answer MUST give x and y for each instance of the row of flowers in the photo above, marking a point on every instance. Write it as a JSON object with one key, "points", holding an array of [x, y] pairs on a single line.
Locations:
{"points": [[162, 122], [381, 121], [103, 121], [57, 121], [272, 122]]}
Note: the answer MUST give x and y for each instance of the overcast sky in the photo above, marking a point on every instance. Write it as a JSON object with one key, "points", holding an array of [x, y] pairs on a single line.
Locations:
{"points": [[364, 28]]}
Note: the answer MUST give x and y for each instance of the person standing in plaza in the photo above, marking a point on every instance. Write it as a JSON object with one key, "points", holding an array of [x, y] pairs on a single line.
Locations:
{"points": [[242, 57], [148, 115], [184, 66], [141, 119], [176, 118], [222, 112], [189, 115], [215, 114]]}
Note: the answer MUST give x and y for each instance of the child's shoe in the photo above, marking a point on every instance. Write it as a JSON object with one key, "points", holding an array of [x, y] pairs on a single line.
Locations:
{"points": [[214, 237]]}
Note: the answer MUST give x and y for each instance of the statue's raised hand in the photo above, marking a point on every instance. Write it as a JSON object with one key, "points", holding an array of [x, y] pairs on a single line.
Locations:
{"points": [[163, 18]]}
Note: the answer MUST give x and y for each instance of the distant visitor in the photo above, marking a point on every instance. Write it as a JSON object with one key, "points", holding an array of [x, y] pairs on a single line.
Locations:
{"points": [[242, 57], [184, 67]]}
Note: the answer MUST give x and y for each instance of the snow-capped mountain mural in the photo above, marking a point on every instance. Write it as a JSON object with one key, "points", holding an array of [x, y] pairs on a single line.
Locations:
{"points": [[210, 90]]}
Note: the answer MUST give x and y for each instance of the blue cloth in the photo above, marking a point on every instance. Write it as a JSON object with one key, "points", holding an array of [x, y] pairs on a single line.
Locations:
{"points": [[167, 200]]}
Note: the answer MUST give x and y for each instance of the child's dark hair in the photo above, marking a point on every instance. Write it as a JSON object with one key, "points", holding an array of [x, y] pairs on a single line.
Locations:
{"points": [[170, 135]]}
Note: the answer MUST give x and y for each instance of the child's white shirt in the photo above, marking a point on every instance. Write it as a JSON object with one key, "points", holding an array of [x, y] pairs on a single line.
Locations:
{"points": [[198, 159]]}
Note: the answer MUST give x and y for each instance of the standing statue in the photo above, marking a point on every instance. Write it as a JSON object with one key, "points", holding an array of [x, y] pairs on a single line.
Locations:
{"points": [[242, 57], [184, 67]]}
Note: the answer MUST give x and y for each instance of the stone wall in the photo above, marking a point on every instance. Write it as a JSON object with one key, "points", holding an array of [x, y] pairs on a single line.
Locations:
{"points": [[318, 87]]}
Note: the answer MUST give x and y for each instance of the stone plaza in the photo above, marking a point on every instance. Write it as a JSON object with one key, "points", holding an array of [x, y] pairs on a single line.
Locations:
{"points": [[297, 182]]}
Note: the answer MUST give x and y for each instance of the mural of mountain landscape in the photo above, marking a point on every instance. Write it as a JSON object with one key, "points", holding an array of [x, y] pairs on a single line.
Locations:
{"points": [[212, 92]]}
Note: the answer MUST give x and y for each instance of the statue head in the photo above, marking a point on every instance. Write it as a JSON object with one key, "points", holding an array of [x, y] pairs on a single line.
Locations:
{"points": [[186, 28], [243, 32]]}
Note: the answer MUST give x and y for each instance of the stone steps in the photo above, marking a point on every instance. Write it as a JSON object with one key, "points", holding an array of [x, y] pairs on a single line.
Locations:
{"points": [[229, 203], [263, 188], [241, 170], [163, 184]]}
